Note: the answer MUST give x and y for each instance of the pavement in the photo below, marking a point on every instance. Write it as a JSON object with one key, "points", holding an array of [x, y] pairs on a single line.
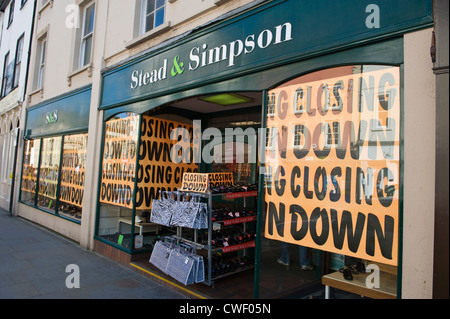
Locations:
{"points": [[34, 260]]}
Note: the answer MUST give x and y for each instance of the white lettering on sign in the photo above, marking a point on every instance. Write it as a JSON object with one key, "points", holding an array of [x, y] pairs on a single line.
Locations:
{"points": [[140, 77], [202, 56], [51, 117]]}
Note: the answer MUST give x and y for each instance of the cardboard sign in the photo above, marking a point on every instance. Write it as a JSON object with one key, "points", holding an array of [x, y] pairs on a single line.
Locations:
{"points": [[119, 161], [155, 170], [332, 171], [73, 169], [220, 179], [195, 182]]}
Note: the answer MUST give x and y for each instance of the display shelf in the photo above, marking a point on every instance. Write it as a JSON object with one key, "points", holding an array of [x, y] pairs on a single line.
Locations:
{"points": [[208, 195], [143, 227], [241, 194], [234, 195], [387, 289], [228, 249], [238, 220]]}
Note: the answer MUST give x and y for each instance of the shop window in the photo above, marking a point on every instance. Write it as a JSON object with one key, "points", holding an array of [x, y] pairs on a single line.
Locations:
{"points": [[30, 171], [54, 181], [73, 168], [118, 179], [152, 14], [131, 178], [49, 172], [331, 202]]}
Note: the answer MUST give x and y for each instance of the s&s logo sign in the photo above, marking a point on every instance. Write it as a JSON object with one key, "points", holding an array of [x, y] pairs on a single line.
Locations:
{"points": [[51, 117]]}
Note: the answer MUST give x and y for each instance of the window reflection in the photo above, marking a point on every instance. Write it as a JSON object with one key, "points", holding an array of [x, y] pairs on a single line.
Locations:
{"points": [[73, 169], [118, 179], [332, 175], [48, 173]]}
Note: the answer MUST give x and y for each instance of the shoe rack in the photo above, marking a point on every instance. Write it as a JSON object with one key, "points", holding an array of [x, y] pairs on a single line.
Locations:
{"points": [[227, 233]]}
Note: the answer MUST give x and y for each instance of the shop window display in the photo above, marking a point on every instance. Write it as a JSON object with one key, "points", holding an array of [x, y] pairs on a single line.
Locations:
{"points": [[332, 178], [49, 172], [132, 177], [73, 169], [57, 177], [118, 179]]}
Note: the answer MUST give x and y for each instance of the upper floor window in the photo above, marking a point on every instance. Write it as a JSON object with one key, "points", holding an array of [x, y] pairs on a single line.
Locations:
{"points": [[40, 62], [18, 61], [87, 35], [11, 13], [7, 76], [152, 14]]}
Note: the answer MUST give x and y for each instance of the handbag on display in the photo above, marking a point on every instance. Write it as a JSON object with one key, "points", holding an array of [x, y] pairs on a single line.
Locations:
{"points": [[162, 209], [180, 211], [201, 217], [161, 253], [191, 213], [180, 265], [199, 268]]}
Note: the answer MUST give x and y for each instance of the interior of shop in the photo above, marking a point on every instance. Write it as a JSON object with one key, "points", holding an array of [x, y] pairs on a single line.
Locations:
{"points": [[225, 122], [233, 274]]}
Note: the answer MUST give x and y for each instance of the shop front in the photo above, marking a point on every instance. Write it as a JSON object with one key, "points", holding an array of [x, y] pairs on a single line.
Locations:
{"points": [[54, 162], [286, 124]]}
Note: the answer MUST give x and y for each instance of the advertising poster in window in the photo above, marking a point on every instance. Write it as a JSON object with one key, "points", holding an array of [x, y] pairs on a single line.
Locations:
{"points": [[73, 169], [119, 160], [156, 169], [332, 162], [49, 172], [155, 172]]}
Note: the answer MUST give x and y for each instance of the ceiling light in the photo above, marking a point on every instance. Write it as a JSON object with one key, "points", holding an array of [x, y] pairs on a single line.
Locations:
{"points": [[227, 99]]}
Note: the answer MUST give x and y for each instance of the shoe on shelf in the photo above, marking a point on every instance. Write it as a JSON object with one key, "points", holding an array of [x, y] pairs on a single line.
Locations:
{"points": [[347, 274], [306, 267], [282, 262]]}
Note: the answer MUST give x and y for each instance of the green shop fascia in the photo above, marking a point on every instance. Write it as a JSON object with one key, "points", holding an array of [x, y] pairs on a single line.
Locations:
{"points": [[54, 154], [262, 47]]}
